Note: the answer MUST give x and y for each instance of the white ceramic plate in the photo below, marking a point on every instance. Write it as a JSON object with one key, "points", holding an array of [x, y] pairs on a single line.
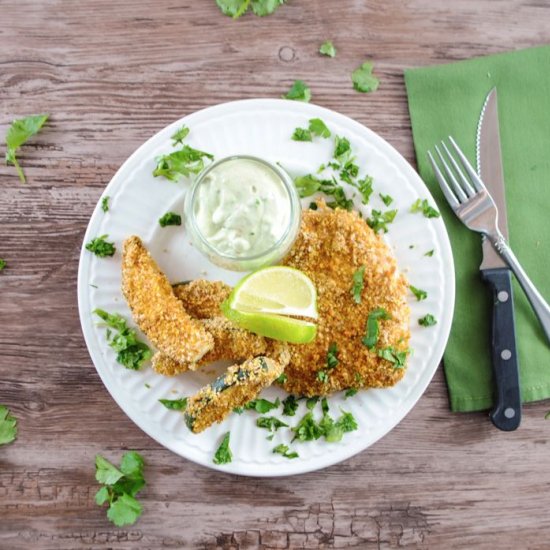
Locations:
{"points": [[260, 127]]}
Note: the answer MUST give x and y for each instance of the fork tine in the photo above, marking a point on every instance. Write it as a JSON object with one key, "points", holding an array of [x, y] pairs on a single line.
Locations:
{"points": [[476, 181], [449, 195], [464, 184], [457, 188]]}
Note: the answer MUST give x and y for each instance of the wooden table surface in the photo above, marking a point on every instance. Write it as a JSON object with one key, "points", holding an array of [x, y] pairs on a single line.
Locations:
{"points": [[112, 73]]}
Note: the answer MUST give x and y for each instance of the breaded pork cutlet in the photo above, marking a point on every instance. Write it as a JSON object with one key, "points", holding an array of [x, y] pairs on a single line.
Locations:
{"points": [[331, 246], [156, 310]]}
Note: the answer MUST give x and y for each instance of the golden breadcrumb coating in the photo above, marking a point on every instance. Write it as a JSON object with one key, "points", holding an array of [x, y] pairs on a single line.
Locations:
{"points": [[331, 247], [202, 299], [156, 310], [239, 385]]}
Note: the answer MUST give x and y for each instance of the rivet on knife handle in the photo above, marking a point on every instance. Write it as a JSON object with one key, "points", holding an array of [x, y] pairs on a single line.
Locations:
{"points": [[506, 413]]}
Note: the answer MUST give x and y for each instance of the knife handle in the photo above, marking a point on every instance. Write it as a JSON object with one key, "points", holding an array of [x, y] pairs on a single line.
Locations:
{"points": [[506, 414]]}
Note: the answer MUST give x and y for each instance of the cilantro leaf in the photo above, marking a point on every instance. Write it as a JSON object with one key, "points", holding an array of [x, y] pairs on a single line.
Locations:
{"points": [[423, 206], [398, 358], [175, 404], [363, 79], [18, 134], [100, 247], [322, 376], [379, 220], [299, 91], [427, 321], [131, 352], [350, 392], [179, 135], [302, 134], [181, 163], [170, 218], [105, 204], [372, 329], [319, 128], [125, 510], [386, 199], [365, 188], [430, 253], [223, 454], [270, 423], [120, 487], [342, 150], [8, 426], [332, 356], [284, 450], [106, 473], [358, 284], [307, 429], [282, 379], [419, 293], [266, 7], [290, 405], [236, 8], [3, 264], [311, 402], [327, 48], [262, 406], [307, 185]]}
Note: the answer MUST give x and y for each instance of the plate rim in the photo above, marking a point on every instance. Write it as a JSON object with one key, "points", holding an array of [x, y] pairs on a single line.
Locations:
{"points": [[322, 461]]}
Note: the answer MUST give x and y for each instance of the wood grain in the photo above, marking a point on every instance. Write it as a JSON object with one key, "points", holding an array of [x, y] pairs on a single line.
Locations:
{"points": [[112, 73]]}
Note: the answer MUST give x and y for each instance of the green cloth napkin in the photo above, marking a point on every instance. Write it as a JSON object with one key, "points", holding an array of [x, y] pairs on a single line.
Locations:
{"points": [[447, 99]]}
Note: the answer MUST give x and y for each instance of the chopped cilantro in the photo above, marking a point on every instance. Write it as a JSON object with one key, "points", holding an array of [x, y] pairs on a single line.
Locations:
{"points": [[379, 220], [105, 204], [547, 415], [100, 247], [180, 135], [342, 150], [237, 8], [308, 185], [427, 321], [358, 284], [223, 454], [299, 91], [365, 188], [181, 163], [3, 264], [430, 253], [270, 423], [307, 429], [332, 356], [8, 426], [302, 134], [319, 128], [18, 134], [324, 405], [170, 218], [372, 329], [322, 376], [419, 293], [350, 392], [290, 405], [363, 79], [284, 450], [175, 404], [423, 206], [327, 48], [120, 487], [282, 378], [262, 406], [349, 172], [386, 199], [398, 358], [311, 402], [131, 352], [238, 410], [148, 386]]}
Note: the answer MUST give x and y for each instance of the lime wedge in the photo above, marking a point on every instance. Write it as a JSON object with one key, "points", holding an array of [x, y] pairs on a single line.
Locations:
{"points": [[273, 326], [278, 289]]}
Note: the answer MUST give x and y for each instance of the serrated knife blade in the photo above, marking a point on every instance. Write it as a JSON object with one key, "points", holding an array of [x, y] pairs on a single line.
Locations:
{"points": [[489, 169]]}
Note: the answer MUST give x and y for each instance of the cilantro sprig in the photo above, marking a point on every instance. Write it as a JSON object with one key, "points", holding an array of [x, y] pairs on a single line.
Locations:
{"points": [[316, 128], [18, 134], [299, 91], [182, 163], [131, 352], [120, 487], [223, 454], [363, 79], [8, 426], [101, 247]]}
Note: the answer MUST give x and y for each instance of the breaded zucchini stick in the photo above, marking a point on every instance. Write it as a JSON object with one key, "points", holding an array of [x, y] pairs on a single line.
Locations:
{"points": [[235, 388], [157, 311]]}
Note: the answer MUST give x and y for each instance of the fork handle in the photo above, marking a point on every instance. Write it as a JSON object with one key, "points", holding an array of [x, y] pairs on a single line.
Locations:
{"points": [[539, 305], [506, 413]]}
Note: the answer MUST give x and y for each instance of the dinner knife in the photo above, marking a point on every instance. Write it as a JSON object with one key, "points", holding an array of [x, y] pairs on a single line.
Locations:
{"points": [[506, 413]]}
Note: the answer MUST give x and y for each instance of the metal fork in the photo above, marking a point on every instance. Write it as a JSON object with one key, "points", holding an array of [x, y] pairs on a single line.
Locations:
{"points": [[475, 208]]}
